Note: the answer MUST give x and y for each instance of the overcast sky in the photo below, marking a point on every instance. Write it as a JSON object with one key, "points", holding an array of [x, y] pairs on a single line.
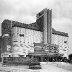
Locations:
{"points": [[25, 11]]}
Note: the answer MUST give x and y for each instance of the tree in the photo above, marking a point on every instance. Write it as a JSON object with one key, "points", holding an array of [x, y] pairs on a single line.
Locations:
{"points": [[70, 56]]}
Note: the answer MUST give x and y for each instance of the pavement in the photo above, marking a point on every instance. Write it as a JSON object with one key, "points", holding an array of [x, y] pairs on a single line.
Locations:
{"points": [[56, 67], [46, 67]]}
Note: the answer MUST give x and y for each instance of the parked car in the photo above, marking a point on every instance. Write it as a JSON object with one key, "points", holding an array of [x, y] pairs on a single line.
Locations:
{"points": [[34, 65]]}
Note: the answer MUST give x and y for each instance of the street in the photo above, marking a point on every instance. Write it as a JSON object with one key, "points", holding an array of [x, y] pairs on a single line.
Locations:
{"points": [[46, 67]]}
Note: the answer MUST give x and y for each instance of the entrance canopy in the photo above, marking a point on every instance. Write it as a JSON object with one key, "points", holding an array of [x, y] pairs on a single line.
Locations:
{"points": [[44, 54]]}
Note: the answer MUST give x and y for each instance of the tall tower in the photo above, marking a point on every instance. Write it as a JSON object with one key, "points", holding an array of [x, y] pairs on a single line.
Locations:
{"points": [[44, 21], [6, 36]]}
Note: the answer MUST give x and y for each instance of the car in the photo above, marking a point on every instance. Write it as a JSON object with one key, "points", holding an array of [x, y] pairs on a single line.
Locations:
{"points": [[34, 65]]}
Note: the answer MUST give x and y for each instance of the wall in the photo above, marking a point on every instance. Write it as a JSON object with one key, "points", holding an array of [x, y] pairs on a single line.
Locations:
{"points": [[62, 41], [23, 39], [6, 37]]}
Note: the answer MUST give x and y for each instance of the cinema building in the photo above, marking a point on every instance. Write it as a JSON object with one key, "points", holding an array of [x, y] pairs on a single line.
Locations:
{"points": [[35, 39]]}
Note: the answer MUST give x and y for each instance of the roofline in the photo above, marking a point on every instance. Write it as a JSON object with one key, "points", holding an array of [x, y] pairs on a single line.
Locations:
{"points": [[33, 26]]}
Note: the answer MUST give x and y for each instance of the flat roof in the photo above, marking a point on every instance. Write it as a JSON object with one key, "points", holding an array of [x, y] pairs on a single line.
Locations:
{"points": [[33, 26]]}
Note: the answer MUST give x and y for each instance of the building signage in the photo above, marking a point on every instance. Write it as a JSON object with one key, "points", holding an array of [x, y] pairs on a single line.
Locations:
{"points": [[8, 47]]}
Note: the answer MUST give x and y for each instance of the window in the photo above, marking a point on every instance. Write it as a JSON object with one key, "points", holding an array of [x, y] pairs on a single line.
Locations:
{"points": [[65, 41], [21, 35], [15, 41]]}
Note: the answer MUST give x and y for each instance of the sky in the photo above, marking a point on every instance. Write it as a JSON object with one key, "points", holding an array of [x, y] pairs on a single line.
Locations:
{"points": [[25, 11]]}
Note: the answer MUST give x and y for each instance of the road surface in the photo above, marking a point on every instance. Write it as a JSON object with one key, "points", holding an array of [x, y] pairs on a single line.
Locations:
{"points": [[46, 67]]}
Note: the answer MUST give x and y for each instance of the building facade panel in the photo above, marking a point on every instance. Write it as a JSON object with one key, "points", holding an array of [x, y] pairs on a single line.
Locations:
{"points": [[25, 42], [27, 36]]}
